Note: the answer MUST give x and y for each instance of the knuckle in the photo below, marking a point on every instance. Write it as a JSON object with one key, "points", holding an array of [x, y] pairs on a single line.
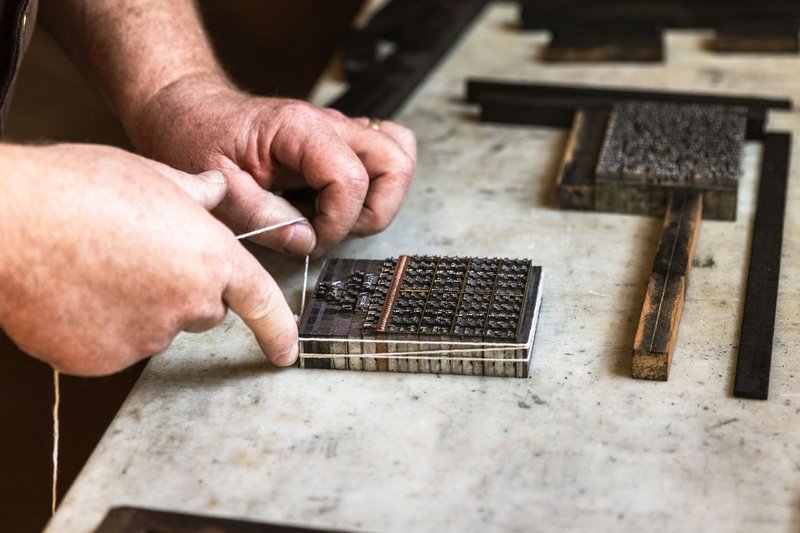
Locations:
{"points": [[265, 302], [298, 111], [406, 136], [381, 220], [406, 168], [335, 114]]}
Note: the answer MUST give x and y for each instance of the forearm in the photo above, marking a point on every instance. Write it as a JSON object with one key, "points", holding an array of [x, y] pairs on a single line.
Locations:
{"points": [[132, 49]]}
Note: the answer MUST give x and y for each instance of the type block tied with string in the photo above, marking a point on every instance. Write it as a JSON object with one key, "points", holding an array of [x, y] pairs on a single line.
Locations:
{"points": [[423, 314]]}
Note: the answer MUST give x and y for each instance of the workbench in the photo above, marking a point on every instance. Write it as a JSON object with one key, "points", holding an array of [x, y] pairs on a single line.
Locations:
{"points": [[211, 428]]}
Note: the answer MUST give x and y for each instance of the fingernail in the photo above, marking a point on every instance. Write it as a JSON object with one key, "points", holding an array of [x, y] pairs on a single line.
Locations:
{"points": [[213, 176], [290, 358], [305, 231]]}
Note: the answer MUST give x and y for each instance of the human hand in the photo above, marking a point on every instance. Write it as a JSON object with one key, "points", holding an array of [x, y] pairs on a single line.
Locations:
{"points": [[361, 175], [105, 261]]}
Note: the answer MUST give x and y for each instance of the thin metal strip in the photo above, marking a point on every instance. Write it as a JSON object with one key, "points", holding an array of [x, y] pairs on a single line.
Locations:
{"points": [[391, 296]]}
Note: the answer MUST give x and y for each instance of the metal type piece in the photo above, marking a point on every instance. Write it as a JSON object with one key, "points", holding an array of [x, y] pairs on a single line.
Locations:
{"points": [[673, 145], [758, 319], [653, 148], [423, 314]]}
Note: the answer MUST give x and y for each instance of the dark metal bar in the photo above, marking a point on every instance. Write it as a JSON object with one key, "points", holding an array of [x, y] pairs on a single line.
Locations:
{"points": [[758, 320]]}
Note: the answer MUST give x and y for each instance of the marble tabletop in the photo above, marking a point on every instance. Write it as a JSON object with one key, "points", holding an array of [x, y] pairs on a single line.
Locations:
{"points": [[212, 428]]}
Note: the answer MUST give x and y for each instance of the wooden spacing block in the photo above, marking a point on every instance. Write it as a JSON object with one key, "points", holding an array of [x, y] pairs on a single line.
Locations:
{"points": [[661, 313]]}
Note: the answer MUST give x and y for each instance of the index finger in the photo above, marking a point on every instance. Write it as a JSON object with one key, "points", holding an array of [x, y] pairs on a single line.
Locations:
{"points": [[253, 295], [309, 145]]}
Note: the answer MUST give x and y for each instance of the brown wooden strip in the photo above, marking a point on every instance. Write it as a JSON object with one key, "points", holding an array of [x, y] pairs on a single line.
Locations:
{"points": [[575, 183], [663, 304]]}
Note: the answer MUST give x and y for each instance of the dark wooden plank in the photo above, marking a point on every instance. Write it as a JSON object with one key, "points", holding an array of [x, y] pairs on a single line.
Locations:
{"points": [[615, 30], [575, 182], [555, 105], [543, 14], [758, 320], [661, 313], [581, 39], [382, 90], [757, 35], [478, 89]]}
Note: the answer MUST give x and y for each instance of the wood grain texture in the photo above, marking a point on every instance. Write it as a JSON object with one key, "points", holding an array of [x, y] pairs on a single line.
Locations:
{"points": [[663, 304]]}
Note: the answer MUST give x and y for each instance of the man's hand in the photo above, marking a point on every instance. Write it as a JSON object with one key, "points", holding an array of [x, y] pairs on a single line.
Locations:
{"points": [[105, 260], [262, 144], [154, 64]]}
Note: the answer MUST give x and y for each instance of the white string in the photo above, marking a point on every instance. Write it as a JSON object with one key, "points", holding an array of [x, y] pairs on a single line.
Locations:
{"points": [[303, 294], [305, 274], [424, 355], [496, 345], [56, 404], [271, 228]]}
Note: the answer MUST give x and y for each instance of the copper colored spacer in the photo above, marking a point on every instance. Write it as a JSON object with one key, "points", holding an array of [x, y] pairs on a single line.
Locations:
{"points": [[391, 296]]}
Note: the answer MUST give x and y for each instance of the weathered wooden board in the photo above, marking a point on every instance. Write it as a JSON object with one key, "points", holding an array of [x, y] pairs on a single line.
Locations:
{"points": [[663, 304]]}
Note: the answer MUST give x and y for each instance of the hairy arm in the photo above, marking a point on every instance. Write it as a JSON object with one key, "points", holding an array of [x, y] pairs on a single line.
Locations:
{"points": [[153, 62], [132, 49]]}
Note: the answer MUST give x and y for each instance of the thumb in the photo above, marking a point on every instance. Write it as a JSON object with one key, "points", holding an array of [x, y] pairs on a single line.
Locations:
{"points": [[207, 188], [255, 296], [248, 207]]}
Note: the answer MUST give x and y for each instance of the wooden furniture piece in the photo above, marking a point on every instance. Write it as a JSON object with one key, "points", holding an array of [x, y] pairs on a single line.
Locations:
{"points": [[676, 155], [631, 30]]}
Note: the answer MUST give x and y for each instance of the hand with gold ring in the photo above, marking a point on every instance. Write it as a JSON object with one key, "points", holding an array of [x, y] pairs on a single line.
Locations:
{"points": [[361, 168]]}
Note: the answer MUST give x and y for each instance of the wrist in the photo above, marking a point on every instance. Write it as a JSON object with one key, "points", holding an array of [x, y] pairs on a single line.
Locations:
{"points": [[165, 109]]}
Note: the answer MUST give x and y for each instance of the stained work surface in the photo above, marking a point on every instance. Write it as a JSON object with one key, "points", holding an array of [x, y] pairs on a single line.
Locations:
{"points": [[365, 315], [579, 446]]}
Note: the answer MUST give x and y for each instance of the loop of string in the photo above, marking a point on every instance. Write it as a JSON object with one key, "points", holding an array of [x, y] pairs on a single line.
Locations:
{"points": [[56, 405], [56, 380], [305, 270]]}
